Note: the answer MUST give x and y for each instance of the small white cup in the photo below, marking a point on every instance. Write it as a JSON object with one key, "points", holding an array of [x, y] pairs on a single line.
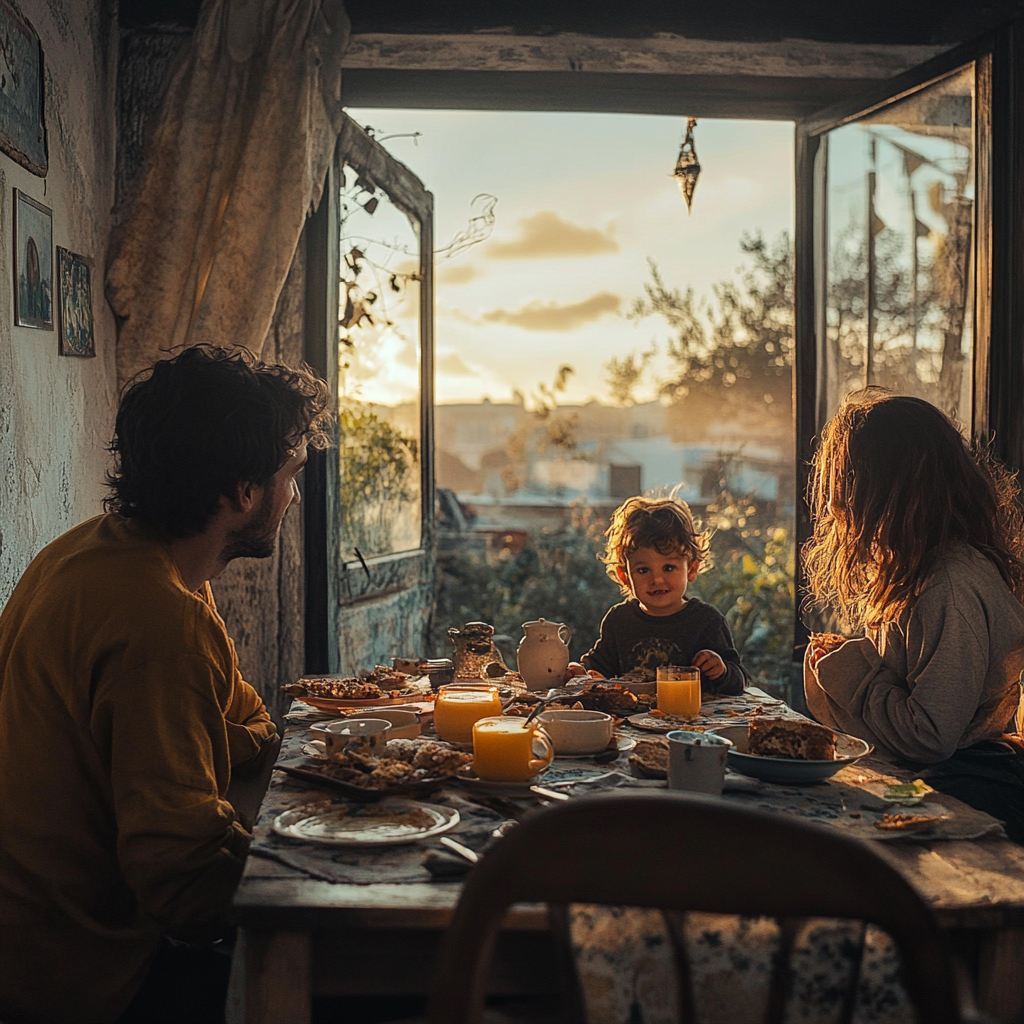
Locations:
{"points": [[578, 732], [696, 761], [367, 735]]}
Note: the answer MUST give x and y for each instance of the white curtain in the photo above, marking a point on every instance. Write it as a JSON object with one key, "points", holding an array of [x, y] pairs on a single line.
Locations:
{"points": [[234, 162]]}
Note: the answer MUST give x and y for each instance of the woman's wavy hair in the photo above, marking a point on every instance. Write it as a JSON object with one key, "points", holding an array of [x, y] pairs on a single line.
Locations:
{"points": [[192, 428], [894, 485], [665, 524]]}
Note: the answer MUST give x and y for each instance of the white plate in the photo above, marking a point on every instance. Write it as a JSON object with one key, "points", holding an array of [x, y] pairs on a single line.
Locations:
{"points": [[387, 823]]}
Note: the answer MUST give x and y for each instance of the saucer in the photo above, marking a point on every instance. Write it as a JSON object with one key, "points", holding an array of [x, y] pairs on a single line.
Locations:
{"points": [[467, 777]]}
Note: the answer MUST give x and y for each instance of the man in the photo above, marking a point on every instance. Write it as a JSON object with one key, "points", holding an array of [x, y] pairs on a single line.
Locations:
{"points": [[133, 757]]}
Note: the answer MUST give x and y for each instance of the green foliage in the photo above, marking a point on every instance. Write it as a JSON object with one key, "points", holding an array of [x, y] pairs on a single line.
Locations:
{"points": [[556, 575], [377, 464], [752, 585], [744, 337]]}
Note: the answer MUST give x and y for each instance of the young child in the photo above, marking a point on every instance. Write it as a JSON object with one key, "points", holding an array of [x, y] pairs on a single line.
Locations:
{"points": [[918, 542], [654, 551]]}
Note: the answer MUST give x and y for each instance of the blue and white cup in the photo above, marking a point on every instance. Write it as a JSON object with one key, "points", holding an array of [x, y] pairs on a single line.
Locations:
{"points": [[696, 761]]}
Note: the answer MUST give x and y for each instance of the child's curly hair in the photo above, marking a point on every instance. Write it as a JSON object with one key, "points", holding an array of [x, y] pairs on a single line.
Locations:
{"points": [[665, 524]]}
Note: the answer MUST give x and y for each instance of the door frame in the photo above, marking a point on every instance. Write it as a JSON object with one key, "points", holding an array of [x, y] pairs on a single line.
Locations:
{"points": [[334, 582], [999, 218]]}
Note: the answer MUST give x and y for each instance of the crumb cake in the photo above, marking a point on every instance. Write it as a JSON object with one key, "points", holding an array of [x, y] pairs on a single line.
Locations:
{"points": [[651, 756], [792, 738]]}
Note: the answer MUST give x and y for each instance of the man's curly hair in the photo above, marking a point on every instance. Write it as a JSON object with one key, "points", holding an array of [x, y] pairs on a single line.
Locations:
{"points": [[665, 524], [192, 428]]}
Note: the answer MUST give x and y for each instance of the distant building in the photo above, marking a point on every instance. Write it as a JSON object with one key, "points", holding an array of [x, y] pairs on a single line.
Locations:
{"points": [[501, 462]]}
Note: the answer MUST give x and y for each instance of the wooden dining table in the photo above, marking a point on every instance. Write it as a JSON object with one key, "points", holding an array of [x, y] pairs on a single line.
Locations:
{"points": [[301, 937]]}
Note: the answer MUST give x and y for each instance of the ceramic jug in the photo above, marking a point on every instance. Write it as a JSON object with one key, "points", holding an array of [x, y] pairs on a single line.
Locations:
{"points": [[543, 654], [475, 656]]}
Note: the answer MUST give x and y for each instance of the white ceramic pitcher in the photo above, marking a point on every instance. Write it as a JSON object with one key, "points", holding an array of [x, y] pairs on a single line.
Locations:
{"points": [[543, 654]]}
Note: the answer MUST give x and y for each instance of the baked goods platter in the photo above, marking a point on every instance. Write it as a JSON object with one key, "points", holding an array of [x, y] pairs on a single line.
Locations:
{"points": [[378, 688], [408, 767]]}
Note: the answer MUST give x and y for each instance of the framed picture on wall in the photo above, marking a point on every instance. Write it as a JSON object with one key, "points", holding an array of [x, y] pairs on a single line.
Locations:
{"points": [[22, 130], [74, 304], [33, 263]]}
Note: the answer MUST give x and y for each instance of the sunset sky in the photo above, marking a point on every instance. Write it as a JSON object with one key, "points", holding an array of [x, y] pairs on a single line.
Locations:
{"points": [[583, 201]]}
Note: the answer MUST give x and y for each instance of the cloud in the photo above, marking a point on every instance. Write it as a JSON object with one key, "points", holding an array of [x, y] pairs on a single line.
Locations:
{"points": [[462, 273], [550, 316], [451, 365], [546, 234]]}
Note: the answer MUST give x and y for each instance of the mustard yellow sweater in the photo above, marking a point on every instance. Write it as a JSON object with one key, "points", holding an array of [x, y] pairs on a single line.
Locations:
{"points": [[121, 713]]}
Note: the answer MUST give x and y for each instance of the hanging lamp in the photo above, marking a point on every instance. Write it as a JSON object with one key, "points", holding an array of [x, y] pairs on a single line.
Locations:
{"points": [[688, 166]]}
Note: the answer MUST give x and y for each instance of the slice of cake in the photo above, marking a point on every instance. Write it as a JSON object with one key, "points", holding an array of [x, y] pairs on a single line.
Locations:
{"points": [[793, 738], [650, 758]]}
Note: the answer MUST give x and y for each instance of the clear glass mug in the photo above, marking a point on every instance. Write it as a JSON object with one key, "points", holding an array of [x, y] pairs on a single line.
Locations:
{"points": [[459, 707], [679, 690]]}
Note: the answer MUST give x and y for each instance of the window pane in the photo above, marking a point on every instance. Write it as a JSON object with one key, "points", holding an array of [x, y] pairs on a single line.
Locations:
{"points": [[378, 375], [898, 299]]}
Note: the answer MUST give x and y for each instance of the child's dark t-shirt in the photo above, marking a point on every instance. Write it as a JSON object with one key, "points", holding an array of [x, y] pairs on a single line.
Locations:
{"points": [[630, 638]]}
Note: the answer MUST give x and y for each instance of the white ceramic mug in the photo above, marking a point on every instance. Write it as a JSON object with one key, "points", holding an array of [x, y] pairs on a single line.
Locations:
{"points": [[367, 735], [696, 761], [578, 732]]}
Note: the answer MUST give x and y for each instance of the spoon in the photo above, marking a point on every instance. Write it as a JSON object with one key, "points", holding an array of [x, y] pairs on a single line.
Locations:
{"points": [[548, 794], [462, 851]]}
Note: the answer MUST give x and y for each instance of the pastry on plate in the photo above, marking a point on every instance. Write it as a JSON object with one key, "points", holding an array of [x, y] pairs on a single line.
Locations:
{"points": [[793, 738]]}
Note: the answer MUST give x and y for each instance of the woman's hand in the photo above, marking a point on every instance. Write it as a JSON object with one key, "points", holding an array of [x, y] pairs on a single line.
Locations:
{"points": [[709, 663]]}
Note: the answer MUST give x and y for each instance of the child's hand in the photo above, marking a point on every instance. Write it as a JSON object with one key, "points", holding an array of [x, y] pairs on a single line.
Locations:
{"points": [[709, 663]]}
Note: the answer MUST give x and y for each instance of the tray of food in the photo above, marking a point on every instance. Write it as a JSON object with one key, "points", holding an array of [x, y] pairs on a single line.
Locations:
{"points": [[408, 767], [791, 751], [595, 695], [380, 687]]}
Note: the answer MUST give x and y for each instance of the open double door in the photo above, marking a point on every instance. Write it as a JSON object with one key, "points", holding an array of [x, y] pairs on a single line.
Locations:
{"points": [[909, 225]]}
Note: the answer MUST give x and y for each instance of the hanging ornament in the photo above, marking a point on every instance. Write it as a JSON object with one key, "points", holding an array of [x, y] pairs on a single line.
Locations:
{"points": [[687, 166]]}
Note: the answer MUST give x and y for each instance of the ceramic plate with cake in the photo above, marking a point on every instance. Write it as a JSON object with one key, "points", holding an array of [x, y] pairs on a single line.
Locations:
{"points": [[790, 751]]}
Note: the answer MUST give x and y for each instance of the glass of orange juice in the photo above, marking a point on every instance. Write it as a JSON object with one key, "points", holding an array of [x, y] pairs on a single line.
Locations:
{"points": [[509, 749], [458, 707], [679, 690]]}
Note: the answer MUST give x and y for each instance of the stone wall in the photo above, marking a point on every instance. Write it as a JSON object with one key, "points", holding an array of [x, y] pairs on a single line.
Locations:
{"points": [[56, 413]]}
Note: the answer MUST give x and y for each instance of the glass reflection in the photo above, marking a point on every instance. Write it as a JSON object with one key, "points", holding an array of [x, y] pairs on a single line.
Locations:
{"points": [[380, 481], [897, 304]]}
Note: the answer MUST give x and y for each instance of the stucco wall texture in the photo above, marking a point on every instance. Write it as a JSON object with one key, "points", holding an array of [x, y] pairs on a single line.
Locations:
{"points": [[56, 413]]}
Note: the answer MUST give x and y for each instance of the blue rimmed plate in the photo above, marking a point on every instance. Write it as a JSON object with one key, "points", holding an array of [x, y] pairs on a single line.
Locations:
{"points": [[783, 770]]}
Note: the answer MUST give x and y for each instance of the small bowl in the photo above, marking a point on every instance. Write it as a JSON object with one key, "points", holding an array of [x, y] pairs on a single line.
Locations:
{"points": [[578, 732], [369, 734], [784, 770], [405, 724]]}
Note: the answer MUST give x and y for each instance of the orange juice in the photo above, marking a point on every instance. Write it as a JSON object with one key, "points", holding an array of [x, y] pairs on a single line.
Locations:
{"points": [[679, 691], [458, 707], [504, 749]]}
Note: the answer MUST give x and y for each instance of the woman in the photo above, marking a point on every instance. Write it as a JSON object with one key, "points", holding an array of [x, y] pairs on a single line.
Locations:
{"points": [[917, 542]]}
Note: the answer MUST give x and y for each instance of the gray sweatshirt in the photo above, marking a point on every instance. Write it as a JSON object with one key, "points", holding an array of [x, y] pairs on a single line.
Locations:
{"points": [[942, 678]]}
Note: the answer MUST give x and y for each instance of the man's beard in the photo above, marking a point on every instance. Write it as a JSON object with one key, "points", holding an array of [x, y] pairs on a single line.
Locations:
{"points": [[257, 539]]}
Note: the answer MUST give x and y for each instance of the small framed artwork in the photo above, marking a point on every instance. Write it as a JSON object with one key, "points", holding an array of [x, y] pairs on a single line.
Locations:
{"points": [[74, 304], [33, 263], [22, 131]]}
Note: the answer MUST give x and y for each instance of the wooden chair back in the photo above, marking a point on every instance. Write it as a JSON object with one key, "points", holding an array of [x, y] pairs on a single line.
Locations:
{"points": [[681, 852]]}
